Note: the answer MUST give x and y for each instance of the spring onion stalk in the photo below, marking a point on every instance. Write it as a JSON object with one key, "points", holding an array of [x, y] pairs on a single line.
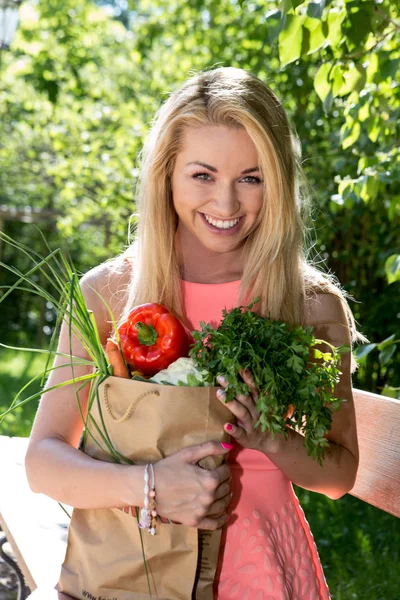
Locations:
{"points": [[64, 292]]}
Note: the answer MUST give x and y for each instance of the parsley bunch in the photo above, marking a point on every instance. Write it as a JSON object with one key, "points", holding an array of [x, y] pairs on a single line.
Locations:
{"points": [[278, 356]]}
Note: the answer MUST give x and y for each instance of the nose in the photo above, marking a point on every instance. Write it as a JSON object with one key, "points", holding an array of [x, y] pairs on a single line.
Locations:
{"points": [[225, 202]]}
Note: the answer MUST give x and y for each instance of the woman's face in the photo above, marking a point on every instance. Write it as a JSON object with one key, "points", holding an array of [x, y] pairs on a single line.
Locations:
{"points": [[219, 200]]}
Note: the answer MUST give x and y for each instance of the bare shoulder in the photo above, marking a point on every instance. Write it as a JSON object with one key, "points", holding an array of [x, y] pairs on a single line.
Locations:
{"points": [[106, 286], [325, 307], [326, 313]]}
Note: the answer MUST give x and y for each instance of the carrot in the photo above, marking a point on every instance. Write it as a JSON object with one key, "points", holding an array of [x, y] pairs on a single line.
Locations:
{"points": [[116, 359]]}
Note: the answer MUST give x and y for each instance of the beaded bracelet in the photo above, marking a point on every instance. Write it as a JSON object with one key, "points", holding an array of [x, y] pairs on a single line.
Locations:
{"points": [[153, 511], [148, 513]]}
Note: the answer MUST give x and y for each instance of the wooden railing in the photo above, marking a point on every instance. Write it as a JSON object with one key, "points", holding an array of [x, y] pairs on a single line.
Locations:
{"points": [[378, 431]]}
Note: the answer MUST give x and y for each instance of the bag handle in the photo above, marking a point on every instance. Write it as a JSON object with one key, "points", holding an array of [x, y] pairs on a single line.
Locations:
{"points": [[130, 408]]}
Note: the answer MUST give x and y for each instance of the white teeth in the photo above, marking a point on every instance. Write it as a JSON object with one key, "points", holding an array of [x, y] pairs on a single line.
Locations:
{"points": [[222, 224]]}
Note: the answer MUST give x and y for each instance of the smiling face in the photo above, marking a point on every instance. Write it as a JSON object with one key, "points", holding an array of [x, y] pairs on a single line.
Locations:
{"points": [[217, 188]]}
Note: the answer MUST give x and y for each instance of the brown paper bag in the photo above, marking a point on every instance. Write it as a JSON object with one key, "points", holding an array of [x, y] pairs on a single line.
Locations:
{"points": [[104, 559]]}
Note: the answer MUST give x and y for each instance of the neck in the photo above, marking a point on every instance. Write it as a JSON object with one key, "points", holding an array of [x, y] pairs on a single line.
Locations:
{"points": [[201, 265]]}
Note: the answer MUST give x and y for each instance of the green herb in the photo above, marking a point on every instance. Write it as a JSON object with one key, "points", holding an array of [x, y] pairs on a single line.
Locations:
{"points": [[279, 358]]}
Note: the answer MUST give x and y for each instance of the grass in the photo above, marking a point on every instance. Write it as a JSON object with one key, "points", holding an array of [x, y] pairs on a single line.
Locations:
{"points": [[16, 369], [359, 545]]}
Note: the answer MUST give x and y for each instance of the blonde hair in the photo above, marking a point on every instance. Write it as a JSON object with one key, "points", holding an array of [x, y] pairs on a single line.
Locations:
{"points": [[276, 267]]}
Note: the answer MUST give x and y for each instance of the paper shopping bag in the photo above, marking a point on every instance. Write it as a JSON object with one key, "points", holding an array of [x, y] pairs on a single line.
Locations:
{"points": [[145, 422]]}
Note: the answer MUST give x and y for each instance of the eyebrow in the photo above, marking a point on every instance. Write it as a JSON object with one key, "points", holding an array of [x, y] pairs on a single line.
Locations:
{"points": [[214, 170]]}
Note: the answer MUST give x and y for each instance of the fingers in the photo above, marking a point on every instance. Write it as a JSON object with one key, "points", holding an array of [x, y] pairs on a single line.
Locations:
{"points": [[223, 473], [224, 489], [213, 524], [248, 378], [219, 507], [243, 407], [236, 431], [193, 454]]}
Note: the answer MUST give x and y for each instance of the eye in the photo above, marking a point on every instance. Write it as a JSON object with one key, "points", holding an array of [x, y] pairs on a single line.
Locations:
{"points": [[254, 180], [196, 175]]}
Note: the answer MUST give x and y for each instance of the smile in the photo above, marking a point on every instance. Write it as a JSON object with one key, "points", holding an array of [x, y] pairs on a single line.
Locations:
{"points": [[228, 224]]}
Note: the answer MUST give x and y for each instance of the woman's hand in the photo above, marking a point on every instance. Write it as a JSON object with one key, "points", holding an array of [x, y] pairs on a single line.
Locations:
{"points": [[188, 494], [244, 409]]}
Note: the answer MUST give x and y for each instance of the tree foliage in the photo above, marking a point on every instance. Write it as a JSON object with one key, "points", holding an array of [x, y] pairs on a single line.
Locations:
{"points": [[80, 88]]}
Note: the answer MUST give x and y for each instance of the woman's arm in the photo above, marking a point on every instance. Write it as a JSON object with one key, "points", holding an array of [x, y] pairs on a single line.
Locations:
{"points": [[337, 475], [55, 467]]}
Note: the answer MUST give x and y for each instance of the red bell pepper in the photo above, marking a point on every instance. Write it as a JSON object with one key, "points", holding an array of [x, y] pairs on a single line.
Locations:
{"points": [[152, 338]]}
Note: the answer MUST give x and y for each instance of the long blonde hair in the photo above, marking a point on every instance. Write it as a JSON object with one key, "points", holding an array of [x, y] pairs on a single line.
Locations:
{"points": [[276, 267]]}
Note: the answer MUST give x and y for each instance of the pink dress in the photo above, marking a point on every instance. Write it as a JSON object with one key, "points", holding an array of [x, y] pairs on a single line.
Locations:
{"points": [[267, 551]]}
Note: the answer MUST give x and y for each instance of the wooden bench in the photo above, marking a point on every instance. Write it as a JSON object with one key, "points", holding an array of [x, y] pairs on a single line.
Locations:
{"points": [[36, 526]]}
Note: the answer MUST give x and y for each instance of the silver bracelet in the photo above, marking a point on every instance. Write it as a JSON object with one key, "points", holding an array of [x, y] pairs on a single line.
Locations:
{"points": [[148, 513], [145, 520]]}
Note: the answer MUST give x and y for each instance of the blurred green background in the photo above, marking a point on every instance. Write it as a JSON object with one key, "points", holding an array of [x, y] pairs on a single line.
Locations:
{"points": [[78, 91]]}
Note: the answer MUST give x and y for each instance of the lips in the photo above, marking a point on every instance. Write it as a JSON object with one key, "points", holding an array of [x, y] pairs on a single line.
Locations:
{"points": [[220, 231], [222, 223]]}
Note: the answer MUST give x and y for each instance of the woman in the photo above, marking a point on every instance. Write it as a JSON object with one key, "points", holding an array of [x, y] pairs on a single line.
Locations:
{"points": [[220, 210]]}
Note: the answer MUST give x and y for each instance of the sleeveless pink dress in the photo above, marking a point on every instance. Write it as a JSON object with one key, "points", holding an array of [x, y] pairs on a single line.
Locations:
{"points": [[267, 549]]}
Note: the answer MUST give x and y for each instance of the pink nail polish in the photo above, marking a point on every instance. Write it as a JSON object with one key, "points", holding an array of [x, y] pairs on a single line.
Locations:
{"points": [[228, 427], [226, 446]]}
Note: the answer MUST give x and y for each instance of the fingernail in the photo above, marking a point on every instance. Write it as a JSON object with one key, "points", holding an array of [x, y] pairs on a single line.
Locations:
{"points": [[226, 446], [228, 427], [220, 393], [221, 379]]}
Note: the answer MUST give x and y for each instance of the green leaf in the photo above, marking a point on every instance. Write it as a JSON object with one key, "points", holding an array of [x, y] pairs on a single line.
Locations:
{"points": [[313, 36], [328, 102], [392, 268], [387, 353], [322, 84], [285, 6], [346, 187], [362, 351], [364, 112], [295, 363], [374, 129], [360, 27], [337, 80], [354, 79], [373, 67], [290, 40], [389, 69], [335, 20], [343, 349], [370, 187], [351, 136], [193, 381], [275, 21]]}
